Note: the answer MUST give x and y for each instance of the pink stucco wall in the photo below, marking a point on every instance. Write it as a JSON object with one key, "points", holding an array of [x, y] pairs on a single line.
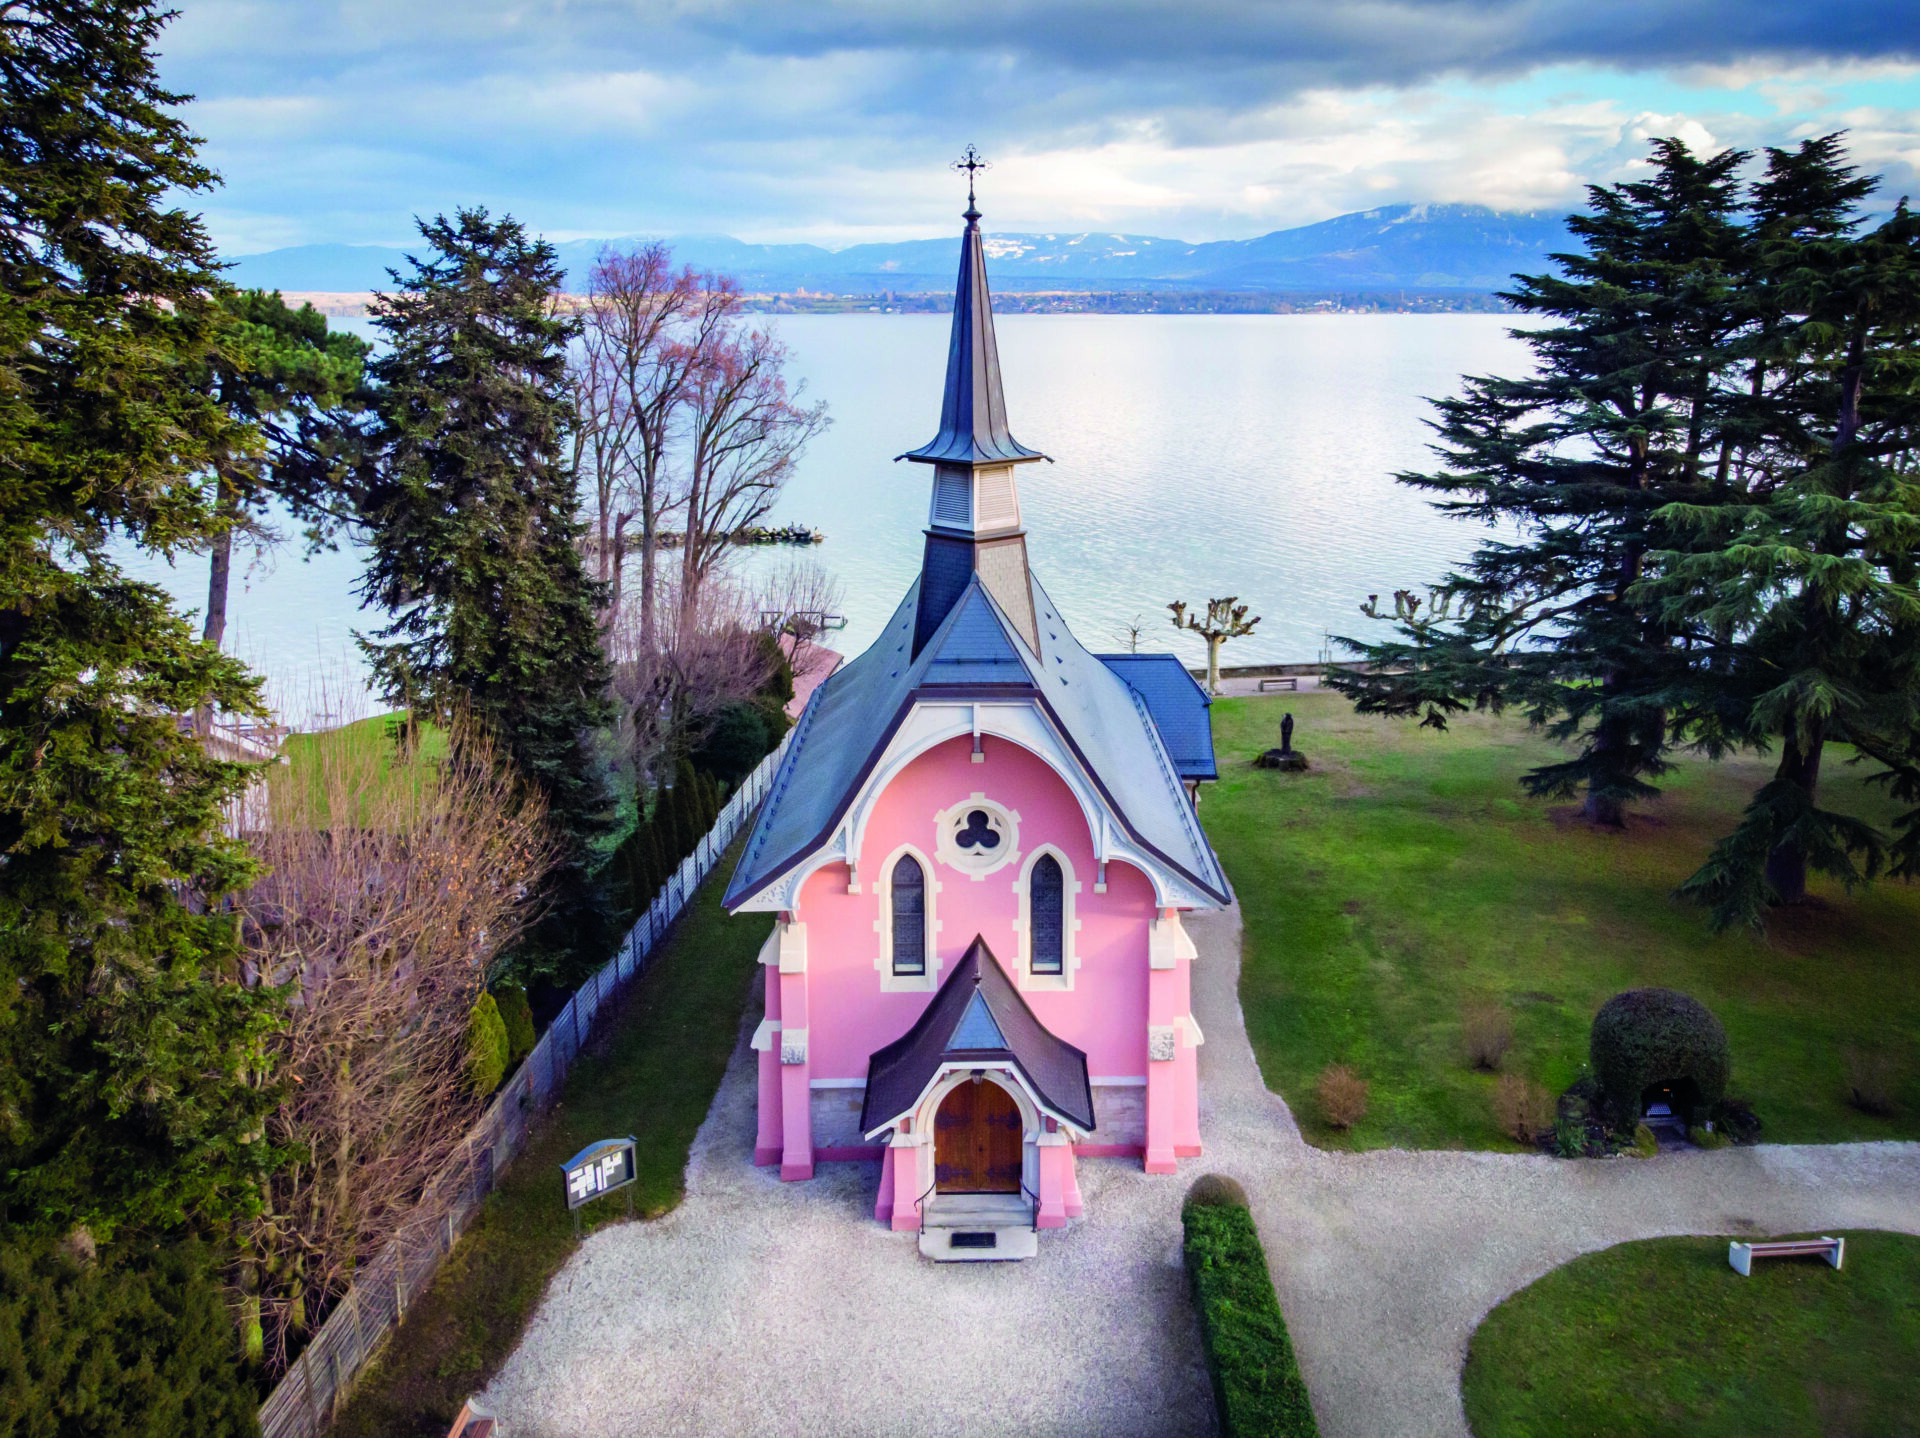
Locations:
{"points": [[1106, 1011]]}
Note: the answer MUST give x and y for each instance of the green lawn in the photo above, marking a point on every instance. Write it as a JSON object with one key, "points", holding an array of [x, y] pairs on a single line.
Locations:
{"points": [[654, 1077], [1406, 877], [1664, 1338]]}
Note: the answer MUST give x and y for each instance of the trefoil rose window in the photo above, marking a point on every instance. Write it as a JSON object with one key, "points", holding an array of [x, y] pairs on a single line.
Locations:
{"points": [[1046, 905], [909, 898], [977, 836]]}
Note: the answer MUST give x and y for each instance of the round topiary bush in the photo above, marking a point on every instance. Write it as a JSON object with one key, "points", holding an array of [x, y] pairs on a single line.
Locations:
{"points": [[1646, 1037], [1216, 1190]]}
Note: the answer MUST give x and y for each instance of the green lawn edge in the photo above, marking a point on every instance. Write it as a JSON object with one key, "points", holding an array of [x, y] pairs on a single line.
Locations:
{"points": [[1661, 1338], [652, 1074], [1405, 876]]}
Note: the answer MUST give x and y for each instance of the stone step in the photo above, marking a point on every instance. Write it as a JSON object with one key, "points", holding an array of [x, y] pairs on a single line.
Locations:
{"points": [[979, 1245], [977, 1210]]}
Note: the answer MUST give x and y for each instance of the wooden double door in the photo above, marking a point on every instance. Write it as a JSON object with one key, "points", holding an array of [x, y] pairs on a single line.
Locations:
{"points": [[978, 1140]]}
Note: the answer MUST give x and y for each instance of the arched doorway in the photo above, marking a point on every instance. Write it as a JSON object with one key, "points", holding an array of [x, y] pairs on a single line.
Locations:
{"points": [[978, 1142]]}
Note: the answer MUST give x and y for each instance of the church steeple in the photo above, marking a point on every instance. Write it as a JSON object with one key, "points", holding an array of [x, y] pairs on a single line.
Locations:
{"points": [[974, 523]]}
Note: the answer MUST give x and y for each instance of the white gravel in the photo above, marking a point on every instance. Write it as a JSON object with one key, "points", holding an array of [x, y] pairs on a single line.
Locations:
{"points": [[762, 1307]]}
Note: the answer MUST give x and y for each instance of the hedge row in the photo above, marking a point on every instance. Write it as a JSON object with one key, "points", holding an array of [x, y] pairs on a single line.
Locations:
{"points": [[1257, 1386]]}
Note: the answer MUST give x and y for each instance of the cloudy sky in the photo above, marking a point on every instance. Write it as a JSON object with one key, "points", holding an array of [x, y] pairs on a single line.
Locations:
{"points": [[832, 120]]}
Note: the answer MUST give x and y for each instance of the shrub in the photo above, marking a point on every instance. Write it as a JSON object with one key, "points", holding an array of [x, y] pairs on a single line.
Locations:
{"points": [[1707, 1139], [1486, 1031], [1523, 1110], [487, 1046], [1653, 1036], [1644, 1142], [1257, 1388], [136, 1343], [1214, 1190], [1737, 1121], [517, 1014], [1871, 1080], [738, 739], [1343, 1096]]}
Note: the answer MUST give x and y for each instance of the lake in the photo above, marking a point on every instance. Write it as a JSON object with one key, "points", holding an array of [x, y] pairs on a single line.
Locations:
{"points": [[1196, 456]]}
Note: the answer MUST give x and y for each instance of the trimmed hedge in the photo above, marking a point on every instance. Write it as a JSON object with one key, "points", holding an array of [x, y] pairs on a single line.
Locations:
{"points": [[1257, 1387], [1649, 1036]]}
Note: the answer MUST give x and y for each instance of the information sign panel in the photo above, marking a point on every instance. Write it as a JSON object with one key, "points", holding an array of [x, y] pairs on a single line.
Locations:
{"points": [[598, 1168]]}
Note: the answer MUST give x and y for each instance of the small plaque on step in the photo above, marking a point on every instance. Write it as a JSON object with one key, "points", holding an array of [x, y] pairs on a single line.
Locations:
{"points": [[974, 1240]]}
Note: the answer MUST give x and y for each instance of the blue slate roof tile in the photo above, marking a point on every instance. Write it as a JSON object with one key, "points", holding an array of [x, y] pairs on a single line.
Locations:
{"points": [[1180, 708]]}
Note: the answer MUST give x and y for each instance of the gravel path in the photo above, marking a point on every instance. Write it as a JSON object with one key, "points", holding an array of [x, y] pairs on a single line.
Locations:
{"points": [[762, 1307]]}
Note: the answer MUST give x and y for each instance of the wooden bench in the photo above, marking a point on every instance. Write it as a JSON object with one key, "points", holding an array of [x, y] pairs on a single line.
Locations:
{"points": [[1742, 1255], [1287, 683]]}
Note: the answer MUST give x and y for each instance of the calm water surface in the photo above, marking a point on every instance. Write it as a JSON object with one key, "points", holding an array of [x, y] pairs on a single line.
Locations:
{"points": [[1195, 456]]}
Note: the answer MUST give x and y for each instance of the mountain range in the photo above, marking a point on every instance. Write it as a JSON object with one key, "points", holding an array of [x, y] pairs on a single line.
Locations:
{"points": [[1396, 247]]}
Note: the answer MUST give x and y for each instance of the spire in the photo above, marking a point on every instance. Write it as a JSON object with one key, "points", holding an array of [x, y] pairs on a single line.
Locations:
{"points": [[973, 412], [973, 528]]}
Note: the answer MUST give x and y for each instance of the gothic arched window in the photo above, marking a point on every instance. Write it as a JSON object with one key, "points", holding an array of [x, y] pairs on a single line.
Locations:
{"points": [[909, 898], [1046, 907]]}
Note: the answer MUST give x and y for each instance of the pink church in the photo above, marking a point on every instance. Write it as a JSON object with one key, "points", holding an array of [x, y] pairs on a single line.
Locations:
{"points": [[979, 846]]}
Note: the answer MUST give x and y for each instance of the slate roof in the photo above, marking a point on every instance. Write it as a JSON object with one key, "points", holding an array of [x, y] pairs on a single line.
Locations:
{"points": [[973, 411], [854, 713], [1179, 707], [977, 1015]]}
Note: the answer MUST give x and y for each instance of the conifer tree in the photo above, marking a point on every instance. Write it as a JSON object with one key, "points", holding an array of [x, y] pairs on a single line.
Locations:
{"points": [[1808, 589], [1624, 414], [285, 375], [473, 525], [131, 1058]]}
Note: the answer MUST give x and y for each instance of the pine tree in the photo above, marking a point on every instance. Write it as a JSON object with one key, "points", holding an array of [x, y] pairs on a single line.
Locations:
{"points": [[472, 519], [1623, 416], [1809, 588], [131, 1058], [285, 376]]}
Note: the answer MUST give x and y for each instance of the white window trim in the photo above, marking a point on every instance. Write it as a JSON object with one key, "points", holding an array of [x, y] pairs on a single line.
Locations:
{"points": [[947, 822], [890, 982], [1024, 975]]}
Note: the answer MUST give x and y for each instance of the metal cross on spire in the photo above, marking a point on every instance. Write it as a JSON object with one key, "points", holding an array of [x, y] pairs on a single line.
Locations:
{"points": [[970, 161]]}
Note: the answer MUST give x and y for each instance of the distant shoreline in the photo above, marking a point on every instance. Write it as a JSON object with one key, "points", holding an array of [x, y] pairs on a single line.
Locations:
{"points": [[357, 303]]}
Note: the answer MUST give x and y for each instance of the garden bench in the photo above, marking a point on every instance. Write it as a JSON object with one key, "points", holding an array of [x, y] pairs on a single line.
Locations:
{"points": [[1287, 683], [1742, 1255]]}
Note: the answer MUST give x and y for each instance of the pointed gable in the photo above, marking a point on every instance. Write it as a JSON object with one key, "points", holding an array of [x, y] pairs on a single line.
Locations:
{"points": [[977, 1015]]}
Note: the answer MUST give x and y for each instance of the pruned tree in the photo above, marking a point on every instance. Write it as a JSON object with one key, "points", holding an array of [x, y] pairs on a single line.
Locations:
{"points": [[1225, 619], [392, 886]]}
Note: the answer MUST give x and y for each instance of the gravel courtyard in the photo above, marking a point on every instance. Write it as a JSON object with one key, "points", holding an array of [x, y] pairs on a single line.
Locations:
{"points": [[762, 1307]]}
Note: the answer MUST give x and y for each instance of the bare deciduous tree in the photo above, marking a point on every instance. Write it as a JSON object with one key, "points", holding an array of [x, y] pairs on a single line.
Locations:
{"points": [[647, 328], [745, 433], [393, 881]]}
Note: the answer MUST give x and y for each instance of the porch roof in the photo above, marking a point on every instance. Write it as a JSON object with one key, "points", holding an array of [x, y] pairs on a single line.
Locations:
{"points": [[954, 1028]]}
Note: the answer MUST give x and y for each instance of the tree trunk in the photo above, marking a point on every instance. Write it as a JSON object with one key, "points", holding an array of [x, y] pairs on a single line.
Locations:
{"points": [[614, 570], [1787, 864], [220, 571], [1213, 662], [219, 577]]}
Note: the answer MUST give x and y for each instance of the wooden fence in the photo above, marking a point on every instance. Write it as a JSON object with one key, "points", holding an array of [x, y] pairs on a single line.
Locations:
{"points": [[303, 1404]]}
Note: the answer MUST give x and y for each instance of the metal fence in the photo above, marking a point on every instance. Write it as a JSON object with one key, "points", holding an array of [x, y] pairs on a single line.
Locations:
{"points": [[303, 1404]]}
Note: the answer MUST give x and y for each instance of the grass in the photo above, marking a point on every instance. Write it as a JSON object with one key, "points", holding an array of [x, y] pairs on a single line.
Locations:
{"points": [[653, 1076], [1406, 878], [1664, 1338]]}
